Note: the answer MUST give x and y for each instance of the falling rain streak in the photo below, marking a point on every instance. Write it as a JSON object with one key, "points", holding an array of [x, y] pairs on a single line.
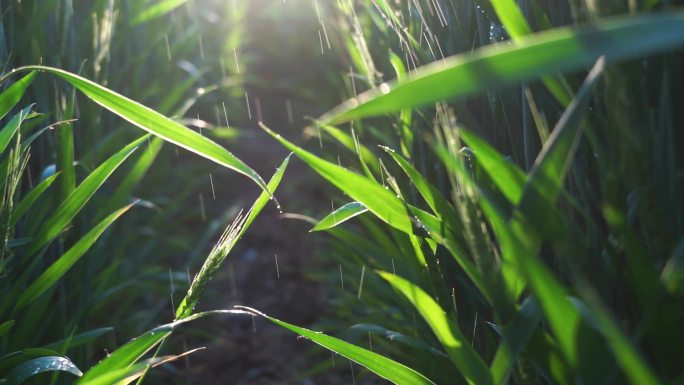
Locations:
{"points": [[276, 264]]}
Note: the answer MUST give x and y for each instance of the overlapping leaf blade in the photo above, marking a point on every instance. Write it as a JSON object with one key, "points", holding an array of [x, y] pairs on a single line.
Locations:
{"points": [[466, 359], [30, 198], [11, 96], [122, 359], [541, 54], [377, 199], [7, 132], [220, 252], [50, 276], [380, 365], [71, 206], [154, 122]]}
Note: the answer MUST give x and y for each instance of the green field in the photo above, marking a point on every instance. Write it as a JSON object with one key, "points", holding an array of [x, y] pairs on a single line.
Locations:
{"points": [[341, 192]]}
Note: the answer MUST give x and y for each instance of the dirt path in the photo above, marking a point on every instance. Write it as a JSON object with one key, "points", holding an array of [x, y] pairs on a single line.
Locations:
{"points": [[245, 351]]}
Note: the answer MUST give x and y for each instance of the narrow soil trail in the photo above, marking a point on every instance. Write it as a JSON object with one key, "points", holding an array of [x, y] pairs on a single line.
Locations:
{"points": [[244, 351]]}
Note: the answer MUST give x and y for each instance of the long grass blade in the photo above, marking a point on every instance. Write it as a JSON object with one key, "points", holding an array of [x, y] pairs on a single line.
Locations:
{"points": [[627, 356], [516, 25], [541, 54], [377, 199], [352, 145], [549, 170], [35, 366], [220, 252], [122, 359], [80, 196], [507, 176], [380, 365], [466, 359], [434, 198], [29, 199], [65, 152], [140, 167], [50, 276], [154, 122], [11, 96], [11, 128]]}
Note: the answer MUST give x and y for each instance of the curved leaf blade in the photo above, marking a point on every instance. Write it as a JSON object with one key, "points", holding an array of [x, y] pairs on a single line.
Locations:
{"points": [[123, 358], [380, 365], [466, 359], [50, 276], [35, 366], [80, 196], [377, 199], [155, 123], [25, 204], [11, 96], [6, 327], [531, 57], [507, 176], [12, 127], [344, 213], [434, 198]]}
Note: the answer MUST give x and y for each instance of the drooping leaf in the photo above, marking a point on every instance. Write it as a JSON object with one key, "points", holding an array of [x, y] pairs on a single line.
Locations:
{"points": [[374, 196], [344, 213], [545, 53], [122, 359], [154, 122], [380, 365], [35, 366]]}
